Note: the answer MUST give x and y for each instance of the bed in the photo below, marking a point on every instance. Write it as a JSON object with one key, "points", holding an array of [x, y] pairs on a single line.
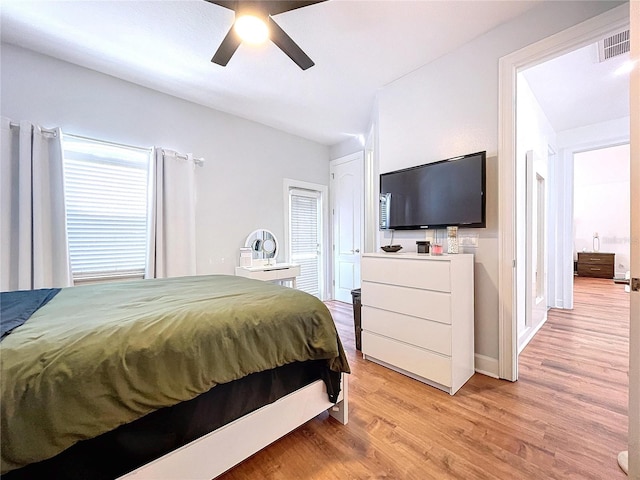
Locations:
{"points": [[99, 360]]}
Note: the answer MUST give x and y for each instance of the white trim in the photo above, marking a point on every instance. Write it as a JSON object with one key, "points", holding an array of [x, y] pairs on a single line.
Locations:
{"points": [[529, 334], [487, 366], [215, 453], [347, 158], [570, 39], [633, 455], [288, 184], [371, 190], [566, 232], [507, 337]]}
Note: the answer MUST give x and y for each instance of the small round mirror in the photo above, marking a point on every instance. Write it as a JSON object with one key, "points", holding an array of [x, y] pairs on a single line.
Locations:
{"points": [[269, 246], [263, 244]]}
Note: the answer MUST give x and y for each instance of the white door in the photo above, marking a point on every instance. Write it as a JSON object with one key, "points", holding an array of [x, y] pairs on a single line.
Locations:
{"points": [[347, 203], [305, 238], [536, 248]]}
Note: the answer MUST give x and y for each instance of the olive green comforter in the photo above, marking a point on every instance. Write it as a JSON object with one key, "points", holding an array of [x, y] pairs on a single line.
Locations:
{"points": [[99, 356]]}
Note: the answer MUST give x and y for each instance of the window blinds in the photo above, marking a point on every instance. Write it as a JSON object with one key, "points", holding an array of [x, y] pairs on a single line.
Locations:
{"points": [[106, 196], [305, 238]]}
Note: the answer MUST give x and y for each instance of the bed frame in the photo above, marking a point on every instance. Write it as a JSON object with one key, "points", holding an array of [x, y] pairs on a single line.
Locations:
{"points": [[215, 453]]}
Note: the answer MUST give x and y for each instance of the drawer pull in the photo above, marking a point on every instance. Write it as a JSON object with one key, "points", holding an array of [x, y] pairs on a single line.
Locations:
{"points": [[595, 269], [595, 259]]}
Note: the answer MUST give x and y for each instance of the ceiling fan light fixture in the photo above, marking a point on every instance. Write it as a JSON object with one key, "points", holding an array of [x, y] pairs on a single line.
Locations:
{"points": [[251, 29], [254, 23]]}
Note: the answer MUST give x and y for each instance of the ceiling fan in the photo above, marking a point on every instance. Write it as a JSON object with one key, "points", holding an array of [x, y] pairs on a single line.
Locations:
{"points": [[258, 15]]}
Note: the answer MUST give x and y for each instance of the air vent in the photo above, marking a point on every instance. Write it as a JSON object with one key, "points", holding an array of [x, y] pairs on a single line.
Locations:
{"points": [[613, 46]]}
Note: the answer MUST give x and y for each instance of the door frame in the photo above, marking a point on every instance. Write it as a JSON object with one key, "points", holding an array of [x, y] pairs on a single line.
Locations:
{"points": [[359, 156], [288, 183], [568, 40]]}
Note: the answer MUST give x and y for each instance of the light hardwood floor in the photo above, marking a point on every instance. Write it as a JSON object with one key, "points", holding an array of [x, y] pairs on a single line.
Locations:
{"points": [[566, 417]]}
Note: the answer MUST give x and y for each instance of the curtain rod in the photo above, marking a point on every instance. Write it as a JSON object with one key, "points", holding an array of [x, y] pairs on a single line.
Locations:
{"points": [[197, 160], [44, 130]]}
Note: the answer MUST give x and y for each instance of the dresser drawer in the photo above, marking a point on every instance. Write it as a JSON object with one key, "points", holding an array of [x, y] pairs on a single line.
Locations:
{"points": [[594, 258], [426, 274], [427, 304], [407, 357], [422, 333], [599, 271]]}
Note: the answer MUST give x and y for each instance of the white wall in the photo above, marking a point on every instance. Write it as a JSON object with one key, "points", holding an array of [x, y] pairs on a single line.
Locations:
{"points": [[346, 147], [589, 137], [450, 107], [240, 186], [602, 202]]}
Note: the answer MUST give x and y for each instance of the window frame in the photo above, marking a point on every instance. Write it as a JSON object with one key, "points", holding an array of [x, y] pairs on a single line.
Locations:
{"points": [[118, 159]]}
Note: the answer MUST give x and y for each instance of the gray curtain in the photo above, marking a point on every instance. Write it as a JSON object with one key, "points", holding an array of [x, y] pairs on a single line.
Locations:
{"points": [[34, 252], [172, 236]]}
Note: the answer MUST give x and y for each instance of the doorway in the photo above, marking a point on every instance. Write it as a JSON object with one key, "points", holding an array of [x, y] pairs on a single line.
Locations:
{"points": [[548, 118], [511, 268], [306, 234], [601, 211]]}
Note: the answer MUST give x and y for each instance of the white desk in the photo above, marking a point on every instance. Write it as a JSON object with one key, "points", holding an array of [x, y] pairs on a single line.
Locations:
{"points": [[278, 272]]}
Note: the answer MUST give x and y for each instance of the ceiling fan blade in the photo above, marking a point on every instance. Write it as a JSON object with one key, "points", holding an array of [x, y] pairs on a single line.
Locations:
{"points": [[281, 6], [271, 7], [230, 4], [288, 46], [227, 48]]}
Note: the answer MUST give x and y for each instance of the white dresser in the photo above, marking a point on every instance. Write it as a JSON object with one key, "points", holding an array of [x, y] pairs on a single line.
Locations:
{"points": [[417, 316]]}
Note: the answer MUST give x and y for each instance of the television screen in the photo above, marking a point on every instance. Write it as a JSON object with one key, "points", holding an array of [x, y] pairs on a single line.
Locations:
{"points": [[435, 195]]}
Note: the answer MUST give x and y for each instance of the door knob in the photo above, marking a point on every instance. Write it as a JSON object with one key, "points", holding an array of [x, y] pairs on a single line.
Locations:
{"points": [[357, 250]]}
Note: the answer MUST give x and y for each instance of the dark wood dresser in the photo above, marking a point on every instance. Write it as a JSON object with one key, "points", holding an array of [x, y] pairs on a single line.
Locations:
{"points": [[596, 264]]}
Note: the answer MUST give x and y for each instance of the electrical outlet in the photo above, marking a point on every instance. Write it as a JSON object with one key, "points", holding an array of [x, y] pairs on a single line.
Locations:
{"points": [[468, 240]]}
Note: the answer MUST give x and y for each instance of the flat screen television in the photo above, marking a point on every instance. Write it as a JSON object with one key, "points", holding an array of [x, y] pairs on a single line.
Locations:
{"points": [[435, 195]]}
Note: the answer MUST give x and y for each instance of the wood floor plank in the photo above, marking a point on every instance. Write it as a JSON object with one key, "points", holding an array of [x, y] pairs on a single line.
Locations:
{"points": [[565, 418]]}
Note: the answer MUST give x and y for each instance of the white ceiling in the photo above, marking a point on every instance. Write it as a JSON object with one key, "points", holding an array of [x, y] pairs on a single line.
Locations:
{"points": [[358, 47], [575, 90]]}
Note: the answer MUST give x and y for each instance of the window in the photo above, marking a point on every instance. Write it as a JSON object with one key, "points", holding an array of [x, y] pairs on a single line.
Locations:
{"points": [[107, 201]]}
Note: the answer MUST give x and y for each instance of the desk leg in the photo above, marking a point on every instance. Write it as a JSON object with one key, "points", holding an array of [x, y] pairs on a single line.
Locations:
{"points": [[293, 282]]}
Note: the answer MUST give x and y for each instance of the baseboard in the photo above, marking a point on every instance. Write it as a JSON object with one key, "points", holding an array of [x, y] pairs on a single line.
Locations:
{"points": [[487, 366]]}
